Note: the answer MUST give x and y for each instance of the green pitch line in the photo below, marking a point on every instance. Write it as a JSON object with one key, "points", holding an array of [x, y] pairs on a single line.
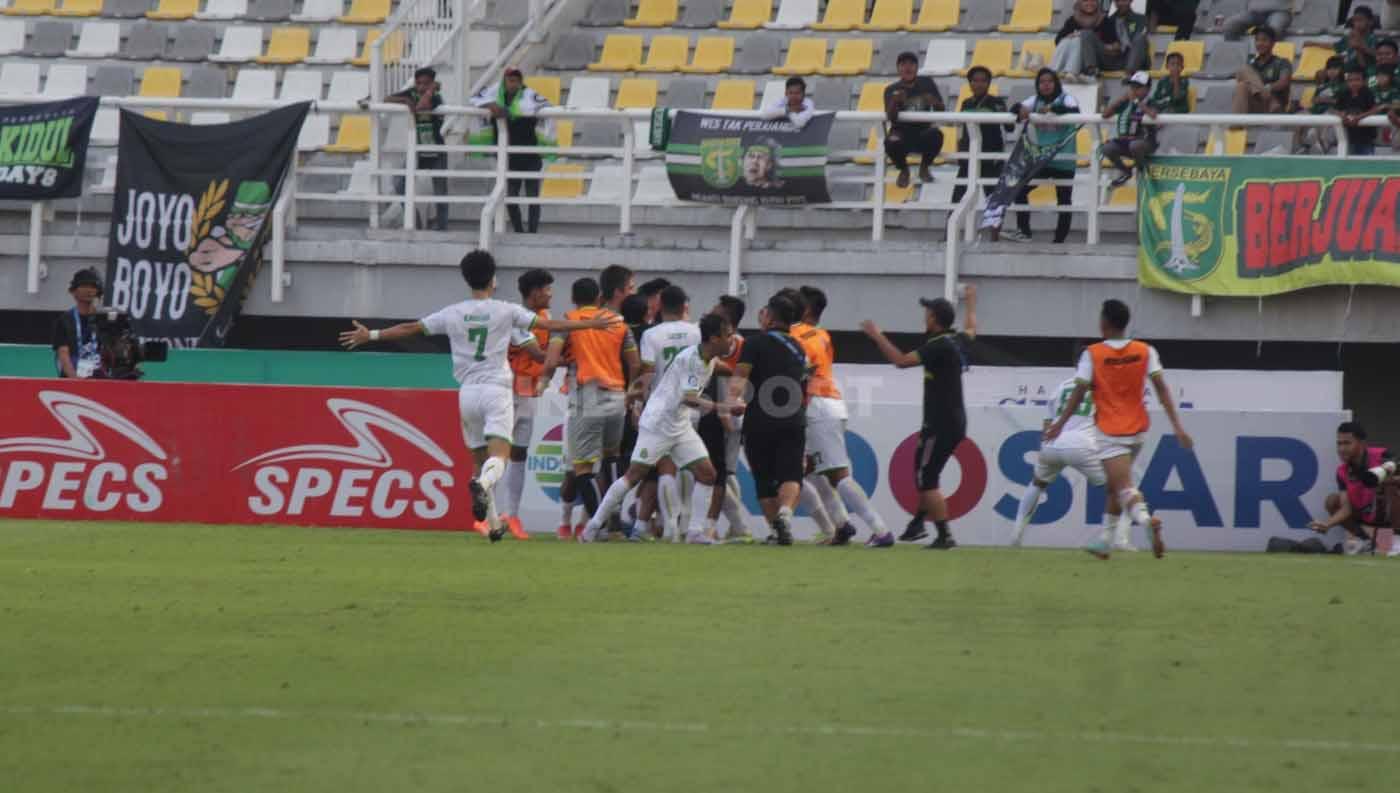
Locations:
{"points": [[177, 658]]}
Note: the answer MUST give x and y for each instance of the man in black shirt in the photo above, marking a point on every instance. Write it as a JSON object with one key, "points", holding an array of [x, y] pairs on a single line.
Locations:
{"points": [[421, 100], [945, 416], [772, 362], [75, 352], [913, 94], [979, 78]]}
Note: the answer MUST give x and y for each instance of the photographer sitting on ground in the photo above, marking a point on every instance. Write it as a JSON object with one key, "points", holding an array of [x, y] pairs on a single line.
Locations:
{"points": [[1369, 490], [75, 348]]}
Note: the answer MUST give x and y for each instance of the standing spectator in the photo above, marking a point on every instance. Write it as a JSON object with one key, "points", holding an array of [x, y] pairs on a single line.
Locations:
{"points": [[421, 100], [794, 105], [1262, 85], [1360, 505], [1385, 56], [1358, 46], [1355, 105], [1387, 96], [1172, 93], [1277, 15], [1131, 30], [1181, 13], [518, 104], [75, 349], [1330, 87], [979, 78], [1131, 137], [1086, 42], [912, 94], [1049, 98]]}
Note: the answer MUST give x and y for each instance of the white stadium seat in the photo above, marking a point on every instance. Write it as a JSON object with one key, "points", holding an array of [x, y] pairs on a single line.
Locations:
{"points": [[208, 117], [333, 46], [315, 132], [348, 87], [66, 80], [301, 84], [98, 40], [19, 79], [106, 127], [588, 92], [794, 15], [255, 85], [11, 36], [482, 47], [773, 90], [224, 10], [240, 45], [319, 11]]}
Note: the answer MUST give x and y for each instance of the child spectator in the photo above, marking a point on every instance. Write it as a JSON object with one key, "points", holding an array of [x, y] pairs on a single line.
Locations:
{"points": [[1131, 138], [1355, 104], [1172, 93], [1387, 96], [1330, 86]]}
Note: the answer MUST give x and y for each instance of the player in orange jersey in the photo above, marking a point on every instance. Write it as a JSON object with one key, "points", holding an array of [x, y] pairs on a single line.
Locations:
{"points": [[526, 364]]}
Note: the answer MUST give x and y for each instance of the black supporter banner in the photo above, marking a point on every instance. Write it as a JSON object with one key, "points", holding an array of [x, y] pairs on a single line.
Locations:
{"points": [[190, 217], [731, 160], [43, 148]]}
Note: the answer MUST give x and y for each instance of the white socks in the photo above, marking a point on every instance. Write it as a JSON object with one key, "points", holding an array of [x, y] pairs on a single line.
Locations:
{"points": [[1123, 531], [700, 497], [1136, 506], [834, 508], [668, 501], [611, 501], [490, 473], [1025, 511], [811, 501], [856, 501], [514, 488]]}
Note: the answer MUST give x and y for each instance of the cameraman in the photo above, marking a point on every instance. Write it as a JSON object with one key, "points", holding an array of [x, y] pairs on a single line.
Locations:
{"points": [[1367, 481], [75, 347]]}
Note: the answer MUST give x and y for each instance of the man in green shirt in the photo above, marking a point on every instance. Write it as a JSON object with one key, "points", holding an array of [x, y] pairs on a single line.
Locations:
{"points": [[1358, 46], [1262, 86]]}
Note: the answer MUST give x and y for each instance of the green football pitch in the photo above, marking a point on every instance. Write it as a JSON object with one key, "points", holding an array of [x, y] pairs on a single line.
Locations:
{"points": [[200, 658]]}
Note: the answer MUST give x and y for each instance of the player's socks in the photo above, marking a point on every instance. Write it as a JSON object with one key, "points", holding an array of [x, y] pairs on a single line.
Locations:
{"points": [[830, 500], [700, 495], [1136, 507], [668, 498], [588, 493], [944, 540], [514, 488], [613, 469], [491, 472], [1122, 534], [856, 501], [811, 500], [1025, 511], [685, 505], [609, 505], [733, 510]]}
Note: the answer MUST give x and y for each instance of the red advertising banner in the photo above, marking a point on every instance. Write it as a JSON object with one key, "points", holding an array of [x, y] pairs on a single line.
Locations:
{"points": [[88, 450]]}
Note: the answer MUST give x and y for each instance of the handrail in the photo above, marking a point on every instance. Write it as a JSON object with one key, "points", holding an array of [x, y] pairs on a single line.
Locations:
{"points": [[955, 218]]}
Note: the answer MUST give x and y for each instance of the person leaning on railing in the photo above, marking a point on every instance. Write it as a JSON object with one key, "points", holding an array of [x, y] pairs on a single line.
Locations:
{"points": [[421, 100], [912, 93], [1330, 85], [518, 104], [1131, 137], [1049, 98], [1354, 105], [794, 104], [979, 78]]}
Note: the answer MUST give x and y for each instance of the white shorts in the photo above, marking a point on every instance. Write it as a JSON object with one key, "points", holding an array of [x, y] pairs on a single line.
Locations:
{"points": [[524, 425], [684, 448], [1111, 446], [487, 411], [826, 445], [1084, 459]]}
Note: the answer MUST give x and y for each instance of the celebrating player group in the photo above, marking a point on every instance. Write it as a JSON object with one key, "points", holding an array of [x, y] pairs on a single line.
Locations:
{"points": [[660, 406]]}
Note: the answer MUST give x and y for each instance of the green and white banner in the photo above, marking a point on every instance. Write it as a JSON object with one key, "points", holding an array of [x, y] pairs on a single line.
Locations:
{"points": [[1250, 226], [717, 159], [43, 149]]}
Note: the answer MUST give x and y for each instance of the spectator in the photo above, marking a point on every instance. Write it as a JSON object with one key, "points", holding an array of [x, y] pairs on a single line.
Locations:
{"points": [[1356, 104], [794, 105], [421, 100], [1181, 13], [1049, 98], [912, 94], [1385, 56], [1131, 137], [1276, 15], [1358, 46], [979, 78], [75, 349], [1330, 86], [1366, 484], [1131, 30], [1086, 42], [1262, 85], [519, 105], [1172, 93], [1387, 98]]}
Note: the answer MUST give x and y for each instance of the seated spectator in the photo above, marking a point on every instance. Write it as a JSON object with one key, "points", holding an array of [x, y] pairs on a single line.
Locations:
{"points": [[1049, 98], [1358, 46], [1356, 104], [793, 105], [1367, 487], [1277, 15], [1181, 13], [1172, 93], [1263, 84], [1385, 56], [914, 94], [1387, 96], [1086, 41], [1131, 30], [979, 78], [1131, 138], [1330, 86]]}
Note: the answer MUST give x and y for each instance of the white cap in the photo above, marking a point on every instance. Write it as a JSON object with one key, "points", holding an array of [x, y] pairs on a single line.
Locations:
{"points": [[1140, 78]]}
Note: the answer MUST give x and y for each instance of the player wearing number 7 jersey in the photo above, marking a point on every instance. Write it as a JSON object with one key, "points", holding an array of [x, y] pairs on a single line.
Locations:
{"points": [[479, 331]]}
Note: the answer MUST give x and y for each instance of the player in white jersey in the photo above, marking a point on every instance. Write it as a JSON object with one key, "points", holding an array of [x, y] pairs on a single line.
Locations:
{"points": [[660, 344], [1077, 448], [480, 331], [665, 428]]}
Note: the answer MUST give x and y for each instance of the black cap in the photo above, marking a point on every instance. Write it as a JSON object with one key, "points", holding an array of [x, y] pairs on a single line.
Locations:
{"points": [[86, 277], [942, 308]]}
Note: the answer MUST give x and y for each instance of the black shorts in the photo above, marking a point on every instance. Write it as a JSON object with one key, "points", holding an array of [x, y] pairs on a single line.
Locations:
{"points": [[935, 448], [775, 457], [712, 433]]}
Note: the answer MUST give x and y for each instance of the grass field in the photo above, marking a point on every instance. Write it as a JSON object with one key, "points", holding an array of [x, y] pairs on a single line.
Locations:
{"points": [[197, 658]]}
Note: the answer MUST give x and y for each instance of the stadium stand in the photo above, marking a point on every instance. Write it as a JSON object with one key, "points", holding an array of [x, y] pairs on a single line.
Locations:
{"points": [[748, 15]]}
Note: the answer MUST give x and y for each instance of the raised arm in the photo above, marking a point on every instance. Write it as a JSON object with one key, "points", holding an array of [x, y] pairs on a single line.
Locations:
{"points": [[970, 315], [362, 335], [893, 354], [1164, 396]]}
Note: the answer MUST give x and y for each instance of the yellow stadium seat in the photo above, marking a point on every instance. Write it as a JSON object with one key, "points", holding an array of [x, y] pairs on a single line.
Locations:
{"points": [[1306, 99], [1235, 140], [636, 92], [1044, 48], [1125, 196], [1287, 51], [937, 16], [30, 8], [547, 87], [353, 136], [1029, 16], [713, 55], [158, 115], [287, 45], [666, 54], [1084, 145], [851, 56], [393, 47], [733, 95], [993, 54], [1193, 55], [950, 143], [873, 142], [1042, 196], [1191, 98], [620, 54], [894, 194], [872, 98], [654, 14], [1314, 60], [563, 132], [748, 15], [566, 182], [841, 15], [890, 15], [174, 9], [79, 8], [161, 81], [804, 56], [366, 12]]}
